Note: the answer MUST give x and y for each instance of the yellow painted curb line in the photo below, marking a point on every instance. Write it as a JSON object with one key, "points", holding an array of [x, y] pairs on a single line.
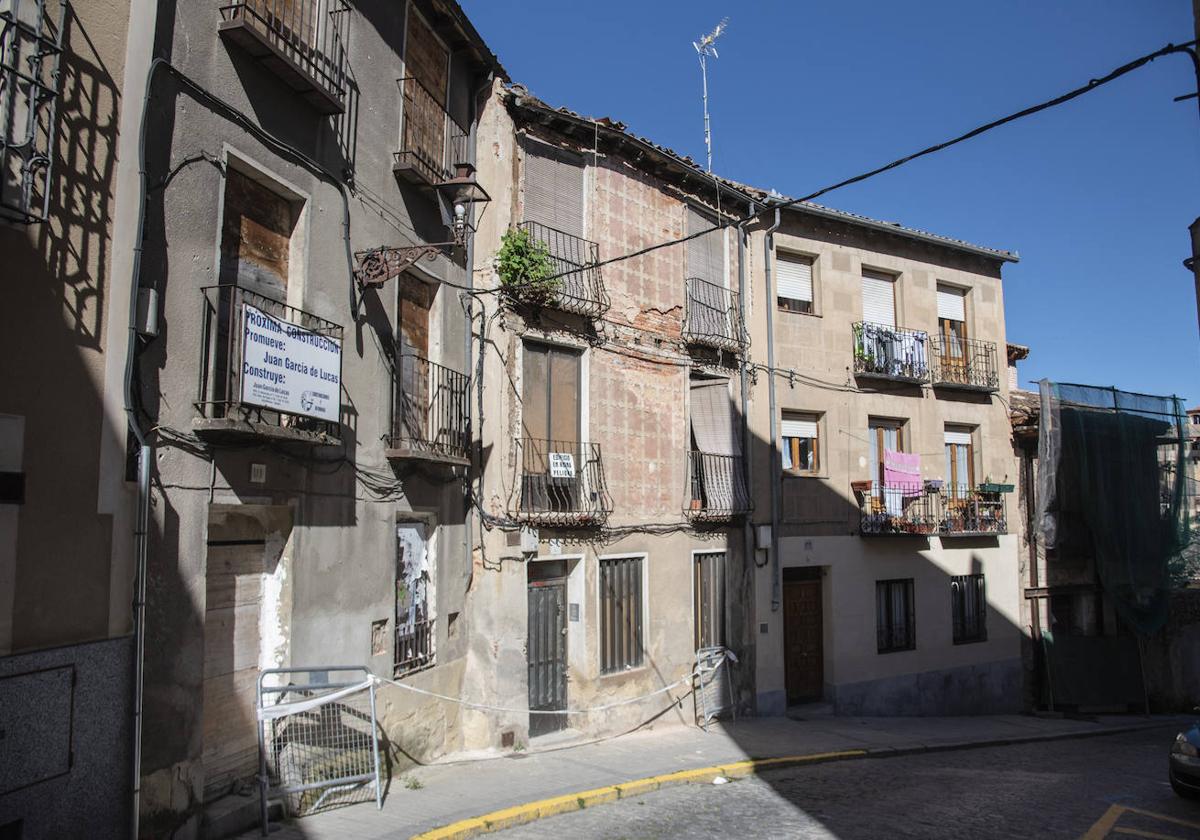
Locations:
{"points": [[532, 811]]}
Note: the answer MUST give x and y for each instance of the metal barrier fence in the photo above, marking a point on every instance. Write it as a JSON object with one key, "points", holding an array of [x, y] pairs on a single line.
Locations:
{"points": [[713, 685], [317, 740]]}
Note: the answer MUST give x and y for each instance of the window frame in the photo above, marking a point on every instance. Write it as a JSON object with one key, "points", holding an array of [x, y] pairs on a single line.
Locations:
{"points": [[876, 426], [790, 445], [602, 629], [795, 305], [953, 484], [883, 603], [962, 589]]}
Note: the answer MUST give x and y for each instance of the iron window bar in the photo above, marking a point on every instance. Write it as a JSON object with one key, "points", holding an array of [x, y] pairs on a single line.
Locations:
{"points": [[713, 316], [967, 363], [414, 646], [31, 49], [300, 40], [580, 288], [891, 352], [718, 487], [221, 354], [430, 409], [432, 143], [562, 483]]}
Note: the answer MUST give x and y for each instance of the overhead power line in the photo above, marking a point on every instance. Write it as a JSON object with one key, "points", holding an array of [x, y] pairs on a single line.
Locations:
{"points": [[1186, 48]]}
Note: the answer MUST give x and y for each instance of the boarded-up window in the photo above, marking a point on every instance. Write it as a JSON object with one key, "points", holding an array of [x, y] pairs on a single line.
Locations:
{"points": [[553, 188], [425, 58], [550, 393], [255, 236], [706, 253], [620, 614]]}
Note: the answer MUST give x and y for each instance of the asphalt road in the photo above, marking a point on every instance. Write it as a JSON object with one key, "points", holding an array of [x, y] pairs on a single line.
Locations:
{"points": [[1113, 786]]}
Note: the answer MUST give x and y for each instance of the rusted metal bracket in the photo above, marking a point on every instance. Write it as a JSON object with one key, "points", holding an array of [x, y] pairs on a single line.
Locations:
{"points": [[379, 265]]}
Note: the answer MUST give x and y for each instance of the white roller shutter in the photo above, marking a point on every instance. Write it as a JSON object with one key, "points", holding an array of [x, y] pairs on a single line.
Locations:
{"points": [[960, 438], [553, 188], [951, 304], [789, 428], [879, 299], [795, 280]]}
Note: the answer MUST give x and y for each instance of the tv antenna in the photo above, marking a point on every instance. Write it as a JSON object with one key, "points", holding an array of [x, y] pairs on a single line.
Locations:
{"points": [[705, 47]]}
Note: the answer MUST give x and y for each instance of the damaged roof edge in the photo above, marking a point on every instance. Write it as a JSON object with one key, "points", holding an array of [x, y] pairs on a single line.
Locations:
{"points": [[521, 98]]}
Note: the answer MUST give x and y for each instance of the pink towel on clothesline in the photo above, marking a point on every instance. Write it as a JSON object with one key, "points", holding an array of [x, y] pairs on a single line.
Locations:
{"points": [[901, 469]]}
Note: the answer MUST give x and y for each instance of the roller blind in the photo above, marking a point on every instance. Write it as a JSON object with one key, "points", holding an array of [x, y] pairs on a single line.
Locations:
{"points": [[553, 188], [795, 278], [879, 299], [705, 254], [951, 304], [960, 438], [791, 427], [712, 418]]}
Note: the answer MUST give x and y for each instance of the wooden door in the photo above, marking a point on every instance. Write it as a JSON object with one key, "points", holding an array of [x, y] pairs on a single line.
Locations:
{"points": [[803, 656]]}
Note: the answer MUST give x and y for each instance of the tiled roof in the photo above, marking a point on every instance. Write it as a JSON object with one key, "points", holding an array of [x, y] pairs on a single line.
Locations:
{"points": [[521, 96]]}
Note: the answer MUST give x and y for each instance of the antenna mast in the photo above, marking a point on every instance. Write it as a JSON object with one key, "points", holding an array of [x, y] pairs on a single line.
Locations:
{"points": [[704, 48]]}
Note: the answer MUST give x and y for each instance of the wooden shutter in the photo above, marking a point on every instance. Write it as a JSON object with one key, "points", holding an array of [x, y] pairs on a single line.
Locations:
{"points": [[795, 280], [425, 58], [705, 254], [879, 299], [951, 304], [553, 188]]}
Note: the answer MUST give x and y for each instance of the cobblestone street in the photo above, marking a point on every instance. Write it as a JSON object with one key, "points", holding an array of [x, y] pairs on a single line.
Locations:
{"points": [[1053, 790]]}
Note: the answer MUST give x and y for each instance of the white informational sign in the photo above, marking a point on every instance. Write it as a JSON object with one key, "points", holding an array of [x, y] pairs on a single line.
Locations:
{"points": [[289, 368], [562, 465]]}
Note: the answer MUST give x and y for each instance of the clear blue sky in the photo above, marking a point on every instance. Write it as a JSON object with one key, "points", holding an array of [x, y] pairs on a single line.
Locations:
{"points": [[1096, 195]]}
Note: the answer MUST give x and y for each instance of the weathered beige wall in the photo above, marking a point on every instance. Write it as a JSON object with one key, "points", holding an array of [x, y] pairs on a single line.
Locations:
{"points": [[820, 514]]}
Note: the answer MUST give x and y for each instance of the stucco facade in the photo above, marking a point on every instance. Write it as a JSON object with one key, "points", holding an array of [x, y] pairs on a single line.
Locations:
{"points": [[819, 534]]}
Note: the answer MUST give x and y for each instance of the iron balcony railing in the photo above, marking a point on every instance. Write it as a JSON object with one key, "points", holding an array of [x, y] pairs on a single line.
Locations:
{"points": [[432, 143], [562, 483], [891, 353], [430, 411], [718, 486], [580, 287], [222, 354], [414, 646], [931, 509], [965, 363], [300, 40], [31, 49], [713, 316], [971, 511]]}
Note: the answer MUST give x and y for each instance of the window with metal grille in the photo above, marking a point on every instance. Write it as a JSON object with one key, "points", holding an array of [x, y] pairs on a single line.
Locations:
{"points": [[414, 599], [895, 622], [620, 614], [969, 609]]}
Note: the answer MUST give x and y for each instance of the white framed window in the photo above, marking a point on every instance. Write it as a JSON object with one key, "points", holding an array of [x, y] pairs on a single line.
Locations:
{"points": [[801, 443]]}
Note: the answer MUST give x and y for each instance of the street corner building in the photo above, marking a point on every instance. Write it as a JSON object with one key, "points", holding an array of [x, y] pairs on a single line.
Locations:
{"points": [[357, 364]]}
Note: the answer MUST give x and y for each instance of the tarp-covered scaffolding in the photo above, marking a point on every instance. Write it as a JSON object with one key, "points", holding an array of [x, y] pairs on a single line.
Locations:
{"points": [[1111, 486]]}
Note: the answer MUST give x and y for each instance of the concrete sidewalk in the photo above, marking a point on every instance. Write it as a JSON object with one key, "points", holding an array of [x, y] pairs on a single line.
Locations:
{"points": [[450, 792]]}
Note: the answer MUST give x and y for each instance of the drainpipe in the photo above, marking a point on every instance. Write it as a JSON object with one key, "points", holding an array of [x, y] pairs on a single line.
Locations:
{"points": [[747, 472], [768, 250], [468, 518]]}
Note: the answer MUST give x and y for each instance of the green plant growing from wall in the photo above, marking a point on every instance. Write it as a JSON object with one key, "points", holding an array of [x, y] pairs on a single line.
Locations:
{"points": [[526, 269]]}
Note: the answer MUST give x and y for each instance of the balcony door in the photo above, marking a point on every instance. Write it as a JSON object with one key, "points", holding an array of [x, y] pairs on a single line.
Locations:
{"points": [[716, 473], [952, 324], [427, 75], [550, 399], [411, 380]]}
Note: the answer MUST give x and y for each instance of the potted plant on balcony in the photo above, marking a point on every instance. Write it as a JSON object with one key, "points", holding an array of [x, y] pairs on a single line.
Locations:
{"points": [[526, 269]]}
